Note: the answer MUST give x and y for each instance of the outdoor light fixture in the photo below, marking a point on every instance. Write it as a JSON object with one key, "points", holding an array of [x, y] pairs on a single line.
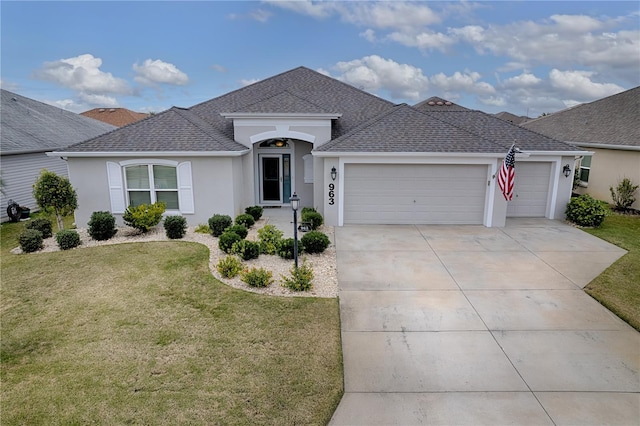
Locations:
{"points": [[295, 203], [280, 143], [334, 173], [566, 170]]}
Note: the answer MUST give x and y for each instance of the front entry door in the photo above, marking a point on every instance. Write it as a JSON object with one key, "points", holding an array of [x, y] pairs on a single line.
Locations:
{"points": [[275, 178]]}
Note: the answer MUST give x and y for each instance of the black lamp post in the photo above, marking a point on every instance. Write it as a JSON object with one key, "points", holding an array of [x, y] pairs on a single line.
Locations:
{"points": [[295, 203]]}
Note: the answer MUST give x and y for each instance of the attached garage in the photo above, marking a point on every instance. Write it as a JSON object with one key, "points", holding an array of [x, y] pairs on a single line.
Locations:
{"points": [[415, 193], [531, 190]]}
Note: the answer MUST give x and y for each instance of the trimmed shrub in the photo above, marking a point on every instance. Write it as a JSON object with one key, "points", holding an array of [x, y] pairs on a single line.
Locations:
{"points": [[269, 237], [175, 226], [257, 277], [246, 220], [202, 228], [307, 209], [102, 225], [144, 216], [586, 211], [313, 218], [68, 239], [45, 226], [241, 230], [285, 248], [226, 241], [622, 196], [255, 212], [31, 240], [229, 266], [300, 279], [218, 223], [314, 242], [247, 250]]}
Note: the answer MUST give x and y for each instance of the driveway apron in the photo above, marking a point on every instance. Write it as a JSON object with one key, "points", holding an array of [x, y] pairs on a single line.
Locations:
{"points": [[467, 325]]}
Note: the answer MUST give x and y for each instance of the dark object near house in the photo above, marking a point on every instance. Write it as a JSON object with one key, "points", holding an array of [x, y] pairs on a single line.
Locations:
{"points": [[14, 211]]}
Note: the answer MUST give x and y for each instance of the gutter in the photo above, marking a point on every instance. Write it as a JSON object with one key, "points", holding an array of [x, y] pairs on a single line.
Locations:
{"points": [[607, 146]]}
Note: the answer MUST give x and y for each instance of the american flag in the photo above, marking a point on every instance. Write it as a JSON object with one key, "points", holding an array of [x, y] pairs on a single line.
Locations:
{"points": [[507, 174]]}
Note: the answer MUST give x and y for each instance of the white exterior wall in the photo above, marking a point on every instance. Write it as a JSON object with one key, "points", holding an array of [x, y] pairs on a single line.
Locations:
{"points": [[19, 173]]}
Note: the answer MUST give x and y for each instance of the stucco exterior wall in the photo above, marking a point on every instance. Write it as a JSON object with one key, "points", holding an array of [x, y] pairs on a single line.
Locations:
{"points": [[608, 168], [303, 190]]}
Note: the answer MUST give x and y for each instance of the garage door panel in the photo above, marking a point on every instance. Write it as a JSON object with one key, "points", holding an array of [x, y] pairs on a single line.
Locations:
{"points": [[407, 194], [531, 190]]}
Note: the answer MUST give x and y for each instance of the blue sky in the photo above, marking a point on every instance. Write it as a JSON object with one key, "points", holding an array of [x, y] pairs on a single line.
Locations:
{"points": [[525, 57]]}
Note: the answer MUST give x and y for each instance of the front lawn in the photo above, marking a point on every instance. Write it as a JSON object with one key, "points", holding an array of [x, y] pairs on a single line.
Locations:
{"points": [[618, 288], [142, 333]]}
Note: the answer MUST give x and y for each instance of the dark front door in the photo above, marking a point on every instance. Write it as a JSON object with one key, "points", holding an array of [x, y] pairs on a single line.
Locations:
{"points": [[271, 179]]}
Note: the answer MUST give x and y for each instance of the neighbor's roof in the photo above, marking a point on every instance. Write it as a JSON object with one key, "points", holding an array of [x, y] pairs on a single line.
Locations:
{"points": [[27, 125], [511, 118], [115, 116], [614, 120]]}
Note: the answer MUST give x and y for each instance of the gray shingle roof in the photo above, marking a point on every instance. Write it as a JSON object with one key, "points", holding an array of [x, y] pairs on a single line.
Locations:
{"points": [[435, 103], [175, 129], [283, 102], [614, 120], [27, 125]]}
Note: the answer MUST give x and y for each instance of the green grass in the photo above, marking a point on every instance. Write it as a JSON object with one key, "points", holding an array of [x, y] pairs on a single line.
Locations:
{"points": [[143, 334], [618, 288]]}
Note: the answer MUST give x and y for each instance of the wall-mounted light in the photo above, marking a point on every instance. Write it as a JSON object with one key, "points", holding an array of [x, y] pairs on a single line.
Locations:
{"points": [[566, 170], [334, 173]]}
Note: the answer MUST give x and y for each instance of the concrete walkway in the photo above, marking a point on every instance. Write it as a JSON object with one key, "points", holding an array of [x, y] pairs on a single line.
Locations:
{"points": [[467, 325]]}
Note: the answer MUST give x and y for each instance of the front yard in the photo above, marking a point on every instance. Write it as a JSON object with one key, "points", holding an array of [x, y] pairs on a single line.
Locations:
{"points": [[142, 333]]}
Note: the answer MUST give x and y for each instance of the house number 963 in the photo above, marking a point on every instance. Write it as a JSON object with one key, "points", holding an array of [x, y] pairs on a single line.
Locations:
{"points": [[332, 187]]}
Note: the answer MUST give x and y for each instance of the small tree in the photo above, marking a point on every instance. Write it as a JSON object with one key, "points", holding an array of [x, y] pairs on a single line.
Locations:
{"points": [[623, 194], [55, 194]]}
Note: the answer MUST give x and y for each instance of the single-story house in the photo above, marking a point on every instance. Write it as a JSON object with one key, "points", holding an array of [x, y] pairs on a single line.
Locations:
{"points": [[610, 128], [355, 157], [28, 129]]}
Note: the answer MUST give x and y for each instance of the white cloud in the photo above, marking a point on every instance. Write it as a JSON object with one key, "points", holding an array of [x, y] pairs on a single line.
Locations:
{"points": [[98, 100], [153, 72], [82, 73], [307, 7], [467, 81], [390, 15], [369, 35], [260, 15], [576, 23], [245, 82], [218, 68], [373, 73], [522, 80], [579, 84], [423, 40]]}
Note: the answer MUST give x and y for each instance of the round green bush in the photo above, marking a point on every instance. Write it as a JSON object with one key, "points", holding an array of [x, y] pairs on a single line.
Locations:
{"points": [[226, 241], [246, 249], [102, 225], [586, 211], [286, 248], [218, 223], [255, 211], [313, 218], [41, 224], [257, 277], [246, 220], [241, 230], [269, 236], [67, 239], [175, 226], [31, 240], [314, 242]]}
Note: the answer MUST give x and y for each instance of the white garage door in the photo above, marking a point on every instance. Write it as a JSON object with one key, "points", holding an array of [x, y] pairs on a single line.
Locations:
{"points": [[531, 190], [414, 193]]}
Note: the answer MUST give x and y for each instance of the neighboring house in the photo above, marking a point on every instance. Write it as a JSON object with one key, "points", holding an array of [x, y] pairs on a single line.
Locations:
{"points": [[28, 129], [610, 128], [115, 116], [353, 156], [511, 118]]}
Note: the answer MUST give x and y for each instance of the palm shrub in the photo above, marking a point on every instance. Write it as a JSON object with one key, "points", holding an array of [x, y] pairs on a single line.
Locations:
{"points": [[286, 248], [255, 212], [241, 230], [41, 224], [31, 240], [67, 239], [246, 249], [301, 278], [586, 211], [246, 220], [229, 266], [313, 218], [226, 241], [144, 216], [218, 223], [102, 225], [314, 242], [269, 237], [257, 277], [175, 226], [202, 228], [623, 195]]}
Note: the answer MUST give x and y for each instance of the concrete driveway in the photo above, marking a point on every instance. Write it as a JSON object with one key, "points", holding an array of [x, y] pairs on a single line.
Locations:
{"points": [[458, 325]]}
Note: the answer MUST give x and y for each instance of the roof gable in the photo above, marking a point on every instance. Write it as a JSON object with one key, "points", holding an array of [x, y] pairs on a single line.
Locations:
{"points": [[115, 116], [435, 103]]}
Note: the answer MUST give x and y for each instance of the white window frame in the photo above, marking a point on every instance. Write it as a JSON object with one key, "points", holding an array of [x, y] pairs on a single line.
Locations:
{"points": [[584, 183]]}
